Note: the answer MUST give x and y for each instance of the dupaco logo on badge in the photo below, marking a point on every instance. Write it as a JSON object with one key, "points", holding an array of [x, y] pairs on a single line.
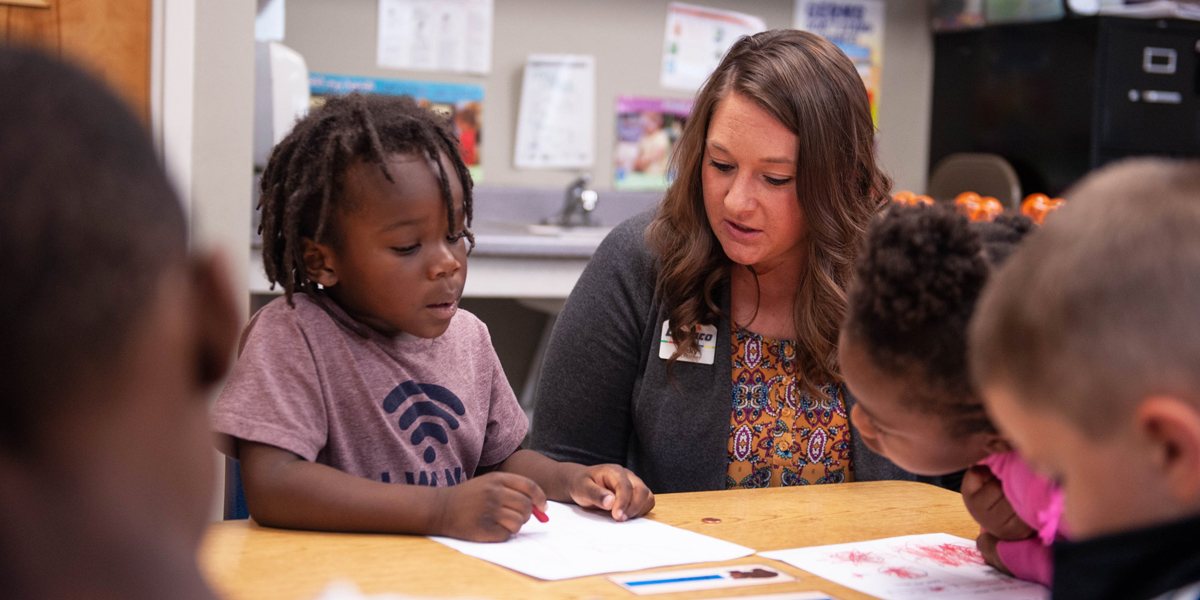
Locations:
{"points": [[706, 337]]}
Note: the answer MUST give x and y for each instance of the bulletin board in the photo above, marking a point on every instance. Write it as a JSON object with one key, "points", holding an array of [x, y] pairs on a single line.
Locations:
{"points": [[625, 37]]}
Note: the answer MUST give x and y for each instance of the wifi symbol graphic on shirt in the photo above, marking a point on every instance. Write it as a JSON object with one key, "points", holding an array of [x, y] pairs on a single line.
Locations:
{"points": [[425, 408]]}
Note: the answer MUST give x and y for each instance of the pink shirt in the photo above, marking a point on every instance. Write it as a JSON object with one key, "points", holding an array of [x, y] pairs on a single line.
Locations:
{"points": [[315, 382], [1038, 502]]}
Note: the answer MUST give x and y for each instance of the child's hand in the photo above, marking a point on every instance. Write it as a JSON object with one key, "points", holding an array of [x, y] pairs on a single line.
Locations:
{"points": [[488, 508], [986, 543], [985, 501], [612, 488]]}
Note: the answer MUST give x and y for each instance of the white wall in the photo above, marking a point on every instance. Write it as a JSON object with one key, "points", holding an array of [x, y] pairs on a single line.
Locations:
{"points": [[338, 36], [223, 133], [203, 115], [907, 95]]}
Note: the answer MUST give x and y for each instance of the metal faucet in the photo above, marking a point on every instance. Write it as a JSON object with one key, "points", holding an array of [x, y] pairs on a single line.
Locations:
{"points": [[579, 204]]}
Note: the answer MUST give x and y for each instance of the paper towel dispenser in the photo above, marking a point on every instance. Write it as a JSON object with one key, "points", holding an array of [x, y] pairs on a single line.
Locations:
{"points": [[281, 95]]}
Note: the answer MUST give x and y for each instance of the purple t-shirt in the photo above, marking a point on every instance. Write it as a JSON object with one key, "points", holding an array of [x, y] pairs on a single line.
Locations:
{"points": [[313, 381]]}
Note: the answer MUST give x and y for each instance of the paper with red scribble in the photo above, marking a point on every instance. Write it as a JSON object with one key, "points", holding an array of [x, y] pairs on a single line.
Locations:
{"points": [[911, 567], [856, 558], [903, 572], [950, 555]]}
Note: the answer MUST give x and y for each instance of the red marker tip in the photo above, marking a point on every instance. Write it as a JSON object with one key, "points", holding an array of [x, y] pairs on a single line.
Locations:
{"points": [[540, 516]]}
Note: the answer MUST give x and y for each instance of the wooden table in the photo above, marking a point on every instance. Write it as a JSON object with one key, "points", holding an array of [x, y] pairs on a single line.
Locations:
{"points": [[247, 562]]}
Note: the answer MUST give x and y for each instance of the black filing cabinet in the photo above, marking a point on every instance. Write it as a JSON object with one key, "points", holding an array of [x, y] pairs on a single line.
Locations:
{"points": [[1060, 98]]}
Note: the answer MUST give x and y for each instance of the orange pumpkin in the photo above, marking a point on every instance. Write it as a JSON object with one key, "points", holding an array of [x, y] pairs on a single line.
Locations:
{"points": [[1037, 206], [989, 209], [908, 198], [977, 208]]}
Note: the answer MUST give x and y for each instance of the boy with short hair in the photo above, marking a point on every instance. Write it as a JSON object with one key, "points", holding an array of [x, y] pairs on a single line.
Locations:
{"points": [[1086, 346], [111, 338]]}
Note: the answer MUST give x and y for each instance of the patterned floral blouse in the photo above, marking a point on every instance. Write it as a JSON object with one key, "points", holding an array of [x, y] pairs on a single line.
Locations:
{"points": [[778, 435]]}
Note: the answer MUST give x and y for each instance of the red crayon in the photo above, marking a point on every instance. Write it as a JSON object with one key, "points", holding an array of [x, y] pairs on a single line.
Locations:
{"points": [[539, 515]]}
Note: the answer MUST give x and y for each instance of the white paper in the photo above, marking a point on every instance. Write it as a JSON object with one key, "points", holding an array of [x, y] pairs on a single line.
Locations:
{"points": [[578, 543], [556, 125], [934, 565], [435, 35], [696, 39], [268, 25]]}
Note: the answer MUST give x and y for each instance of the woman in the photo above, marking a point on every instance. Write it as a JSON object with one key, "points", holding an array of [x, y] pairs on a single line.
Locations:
{"points": [[699, 347]]}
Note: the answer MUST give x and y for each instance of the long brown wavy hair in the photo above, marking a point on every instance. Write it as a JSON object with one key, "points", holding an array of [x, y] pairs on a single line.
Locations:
{"points": [[813, 89]]}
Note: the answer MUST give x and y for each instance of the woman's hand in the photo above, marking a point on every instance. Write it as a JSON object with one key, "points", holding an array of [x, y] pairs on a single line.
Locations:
{"points": [[985, 500], [612, 488]]}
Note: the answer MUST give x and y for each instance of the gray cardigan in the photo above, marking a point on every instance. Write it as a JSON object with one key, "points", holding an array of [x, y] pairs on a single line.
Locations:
{"points": [[604, 395]]}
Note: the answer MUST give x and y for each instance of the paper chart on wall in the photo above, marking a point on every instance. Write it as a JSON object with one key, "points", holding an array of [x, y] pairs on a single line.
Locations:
{"points": [[556, 125], [696, 39], [934, 565], [578, 543], [435, 35]]}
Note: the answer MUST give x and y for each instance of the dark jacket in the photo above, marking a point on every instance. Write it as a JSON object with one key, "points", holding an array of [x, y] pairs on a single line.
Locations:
{"points": [[1160, 562], [604, 395]]}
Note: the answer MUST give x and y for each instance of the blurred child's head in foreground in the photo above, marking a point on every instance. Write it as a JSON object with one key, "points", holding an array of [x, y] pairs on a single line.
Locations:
{"points": [[111, 337], [369, 198], [1086, 347], [904, 343]]}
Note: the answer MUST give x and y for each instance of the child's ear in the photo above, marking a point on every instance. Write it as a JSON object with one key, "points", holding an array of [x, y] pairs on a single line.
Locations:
{"points": [[216, 317], [319, 263], [1172, 428]]}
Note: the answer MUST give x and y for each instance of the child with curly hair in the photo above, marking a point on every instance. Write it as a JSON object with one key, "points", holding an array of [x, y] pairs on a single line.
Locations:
{"points": [[368, 401], [903, 352]]}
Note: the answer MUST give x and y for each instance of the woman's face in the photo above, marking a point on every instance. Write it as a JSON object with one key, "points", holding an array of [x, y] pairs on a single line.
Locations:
{"points": [[749, 179]]}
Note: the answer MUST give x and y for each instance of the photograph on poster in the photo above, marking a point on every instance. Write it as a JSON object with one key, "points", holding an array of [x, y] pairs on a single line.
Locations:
{"points": [[647, 129], [461, 102]]}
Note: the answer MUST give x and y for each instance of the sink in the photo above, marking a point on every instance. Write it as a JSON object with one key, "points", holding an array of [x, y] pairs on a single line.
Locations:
{"points": [[569, 232], [498, 238]]}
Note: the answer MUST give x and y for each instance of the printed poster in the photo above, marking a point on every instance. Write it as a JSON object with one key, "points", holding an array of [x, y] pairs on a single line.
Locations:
{"points": [[696, 39], [461, 102], [556, 123], [647, 130], [435, 35], [855, 26]]}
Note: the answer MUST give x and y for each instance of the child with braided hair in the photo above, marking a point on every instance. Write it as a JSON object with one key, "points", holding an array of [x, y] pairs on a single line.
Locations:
{"points": [[364, 400], [903, 352]]}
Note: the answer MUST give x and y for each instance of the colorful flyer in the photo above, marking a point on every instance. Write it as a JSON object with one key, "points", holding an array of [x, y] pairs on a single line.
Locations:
{"points": [[696, 39], [855, 26], [461, 102], [647, 130]]}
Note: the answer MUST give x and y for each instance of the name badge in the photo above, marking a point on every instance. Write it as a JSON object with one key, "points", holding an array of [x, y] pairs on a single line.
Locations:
{"points": [[707, 337]]}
